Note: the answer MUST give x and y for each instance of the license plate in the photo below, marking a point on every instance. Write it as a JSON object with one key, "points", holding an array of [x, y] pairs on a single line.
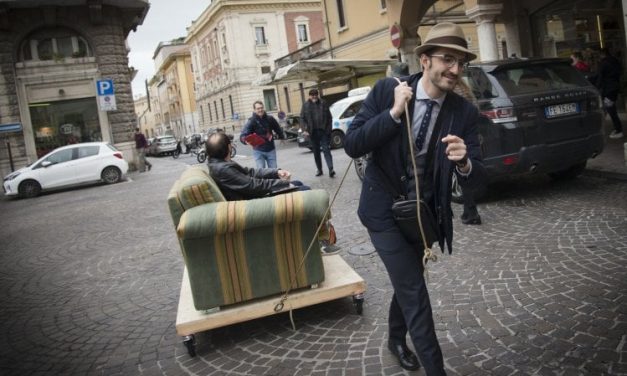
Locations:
{"points": [[561, 110]]}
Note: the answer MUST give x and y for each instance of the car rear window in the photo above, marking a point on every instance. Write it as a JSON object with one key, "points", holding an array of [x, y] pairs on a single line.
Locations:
{"points": [[533, 78], [166, 140]]}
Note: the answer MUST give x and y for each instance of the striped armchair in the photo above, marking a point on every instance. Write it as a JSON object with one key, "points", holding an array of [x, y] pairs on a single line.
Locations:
{"points": [[236, 251]]}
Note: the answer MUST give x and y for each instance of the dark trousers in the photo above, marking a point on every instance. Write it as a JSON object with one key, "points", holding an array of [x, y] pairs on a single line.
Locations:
{"points": [[320, 139], [410, 309], [618, 127]]}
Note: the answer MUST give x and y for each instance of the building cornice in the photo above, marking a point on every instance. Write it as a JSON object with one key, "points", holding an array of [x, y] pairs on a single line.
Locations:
{"points": [[214, 11]]}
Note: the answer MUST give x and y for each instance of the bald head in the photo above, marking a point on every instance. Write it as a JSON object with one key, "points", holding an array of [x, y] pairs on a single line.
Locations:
{"points": [[218, 146]]}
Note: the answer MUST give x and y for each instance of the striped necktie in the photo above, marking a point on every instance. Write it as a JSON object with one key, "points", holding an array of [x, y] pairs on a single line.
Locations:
{"points": [[424, 125]]}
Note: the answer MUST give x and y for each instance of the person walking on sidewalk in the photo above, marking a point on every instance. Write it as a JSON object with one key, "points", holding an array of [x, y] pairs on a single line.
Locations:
{"points": [[141, 144], [258, 133], [446, 141], [316, 121], [608, 82]]}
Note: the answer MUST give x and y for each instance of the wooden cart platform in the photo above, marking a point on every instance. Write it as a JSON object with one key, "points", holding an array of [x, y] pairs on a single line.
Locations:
{"points": [[340, 281]]}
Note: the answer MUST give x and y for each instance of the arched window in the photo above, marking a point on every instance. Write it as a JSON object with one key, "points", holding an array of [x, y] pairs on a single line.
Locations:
{"points": [[54, 44]]}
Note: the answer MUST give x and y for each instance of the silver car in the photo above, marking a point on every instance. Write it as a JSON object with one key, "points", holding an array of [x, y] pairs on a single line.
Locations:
{"points": [[162, 145]]}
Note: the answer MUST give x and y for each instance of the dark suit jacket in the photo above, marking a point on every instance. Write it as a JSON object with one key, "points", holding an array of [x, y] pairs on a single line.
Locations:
{"points": [[374, 131]]}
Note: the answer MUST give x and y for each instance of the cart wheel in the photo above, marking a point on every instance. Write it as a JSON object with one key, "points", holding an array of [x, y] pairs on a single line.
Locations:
{"points": [[190, 343], [358, 302]]}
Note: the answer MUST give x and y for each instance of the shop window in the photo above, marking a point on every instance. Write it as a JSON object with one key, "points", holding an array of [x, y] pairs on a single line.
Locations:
{"points": [[62, 123], [54, 44]]}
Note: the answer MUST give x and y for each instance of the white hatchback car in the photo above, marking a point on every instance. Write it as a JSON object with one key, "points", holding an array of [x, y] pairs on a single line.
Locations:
{"points": [[66, 166]]}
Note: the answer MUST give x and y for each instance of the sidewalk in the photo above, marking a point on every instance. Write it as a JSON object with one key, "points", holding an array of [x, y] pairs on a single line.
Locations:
{"points": [[611, 162]]}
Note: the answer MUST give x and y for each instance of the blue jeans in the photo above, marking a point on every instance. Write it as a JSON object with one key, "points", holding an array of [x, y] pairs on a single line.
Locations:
{"points": [[265, 159]]}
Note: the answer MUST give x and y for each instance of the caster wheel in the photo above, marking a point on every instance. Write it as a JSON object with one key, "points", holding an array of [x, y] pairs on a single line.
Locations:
{"points": [[190, 343], [358, 302]]}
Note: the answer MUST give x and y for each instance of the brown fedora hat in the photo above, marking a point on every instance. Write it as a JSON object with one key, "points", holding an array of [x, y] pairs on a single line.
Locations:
{"points": [[446, 35]]}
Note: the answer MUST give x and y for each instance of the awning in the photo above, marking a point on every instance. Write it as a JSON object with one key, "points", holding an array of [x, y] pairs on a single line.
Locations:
{"points": [[326, 72]]}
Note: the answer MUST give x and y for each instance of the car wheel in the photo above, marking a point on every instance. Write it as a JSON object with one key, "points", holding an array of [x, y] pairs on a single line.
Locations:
{"points": [[456, 190], [111, 175], [570, 173], [29, 188], [337, 139], [360, 167]]}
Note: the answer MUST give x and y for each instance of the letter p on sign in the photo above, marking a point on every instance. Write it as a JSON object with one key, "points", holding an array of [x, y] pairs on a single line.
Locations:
{"points": [[104, 87]]}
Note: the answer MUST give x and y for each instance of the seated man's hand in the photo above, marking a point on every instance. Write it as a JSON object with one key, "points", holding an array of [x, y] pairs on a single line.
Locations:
{"points": [[284, 175]]}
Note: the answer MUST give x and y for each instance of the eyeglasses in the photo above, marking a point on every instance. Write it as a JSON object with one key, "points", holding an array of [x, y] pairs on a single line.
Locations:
{"points": [[450, 61]]}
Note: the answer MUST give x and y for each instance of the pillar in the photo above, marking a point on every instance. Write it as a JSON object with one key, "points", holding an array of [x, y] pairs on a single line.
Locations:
{"points": [[408, 56], [484, 16]]}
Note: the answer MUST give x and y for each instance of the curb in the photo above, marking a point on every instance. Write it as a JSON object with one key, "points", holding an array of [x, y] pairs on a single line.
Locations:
{"points": [[606, 174]]}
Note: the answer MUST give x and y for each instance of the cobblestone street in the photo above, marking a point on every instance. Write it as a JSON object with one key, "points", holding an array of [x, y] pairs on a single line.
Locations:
{"points": [[90, 281]]}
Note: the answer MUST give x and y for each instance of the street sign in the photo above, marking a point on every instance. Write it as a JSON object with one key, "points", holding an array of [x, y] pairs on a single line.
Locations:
{"points": [[396, 35], [10, 127], [106, 95], [107, 103], [104, 87]]}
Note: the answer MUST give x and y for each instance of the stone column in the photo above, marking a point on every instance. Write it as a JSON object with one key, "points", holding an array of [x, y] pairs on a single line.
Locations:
{"points": [[513, 39], [484, 16], [408, 56]]}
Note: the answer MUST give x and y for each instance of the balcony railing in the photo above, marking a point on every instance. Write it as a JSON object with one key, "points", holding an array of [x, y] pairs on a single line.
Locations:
{"points": [[307, 52]]}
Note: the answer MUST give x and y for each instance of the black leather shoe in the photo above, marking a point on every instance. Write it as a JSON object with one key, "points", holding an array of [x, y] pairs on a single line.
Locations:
{"points": [[318, 173], [331, 173], [406, 359]]}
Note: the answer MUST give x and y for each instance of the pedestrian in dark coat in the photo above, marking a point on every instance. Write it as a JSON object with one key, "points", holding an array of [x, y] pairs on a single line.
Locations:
{"points": [[316, 121], [264, 126], [379, 128], [608, 82]]}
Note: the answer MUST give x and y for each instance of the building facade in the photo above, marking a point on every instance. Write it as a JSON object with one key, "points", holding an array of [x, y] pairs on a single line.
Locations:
{"points": [[52, 57], [233, 43], [174, 88]]}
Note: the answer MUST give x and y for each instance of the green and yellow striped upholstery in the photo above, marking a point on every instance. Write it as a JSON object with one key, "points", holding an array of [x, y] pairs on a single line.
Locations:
{"points": [[241, 250]]}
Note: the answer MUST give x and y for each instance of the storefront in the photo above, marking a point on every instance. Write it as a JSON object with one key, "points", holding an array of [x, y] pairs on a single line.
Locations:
{"points": [[64, 122], [566, 26], [57, 51]]}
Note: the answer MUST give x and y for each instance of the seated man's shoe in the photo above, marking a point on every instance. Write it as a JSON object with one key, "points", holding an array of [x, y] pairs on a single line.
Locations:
{"points": [[331, 173], [318, 173], [406, 359]]}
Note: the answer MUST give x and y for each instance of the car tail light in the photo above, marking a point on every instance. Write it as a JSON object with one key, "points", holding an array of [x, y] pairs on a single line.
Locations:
{"points": [[510, 160], [500, 114], [118, 155]]}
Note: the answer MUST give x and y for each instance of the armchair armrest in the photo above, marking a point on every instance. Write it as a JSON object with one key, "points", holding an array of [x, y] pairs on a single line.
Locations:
{"points": [[233, 216]]}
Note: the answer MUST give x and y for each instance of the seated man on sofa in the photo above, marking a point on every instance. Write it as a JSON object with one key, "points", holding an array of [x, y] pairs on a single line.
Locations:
{"points": [[242, 183]]}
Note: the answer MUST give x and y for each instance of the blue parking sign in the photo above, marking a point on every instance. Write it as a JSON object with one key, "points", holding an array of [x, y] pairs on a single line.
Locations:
{"points": [[104, 87]]}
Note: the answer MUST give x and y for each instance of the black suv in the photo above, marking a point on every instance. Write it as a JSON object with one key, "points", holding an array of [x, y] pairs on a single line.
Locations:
{"points": [[538, 115]]}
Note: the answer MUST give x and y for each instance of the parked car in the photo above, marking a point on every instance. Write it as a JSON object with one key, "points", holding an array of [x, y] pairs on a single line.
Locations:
{"points": [[537, 116], [291, 127], [68, 166], [343, 112], [161, 145]]}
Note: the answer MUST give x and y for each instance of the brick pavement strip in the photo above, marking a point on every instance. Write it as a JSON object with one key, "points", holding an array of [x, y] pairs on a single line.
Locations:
{"points": [[90, 280]]}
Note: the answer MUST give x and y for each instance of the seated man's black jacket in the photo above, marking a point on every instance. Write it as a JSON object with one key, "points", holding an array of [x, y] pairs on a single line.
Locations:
{"points": [[242, 183]]}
